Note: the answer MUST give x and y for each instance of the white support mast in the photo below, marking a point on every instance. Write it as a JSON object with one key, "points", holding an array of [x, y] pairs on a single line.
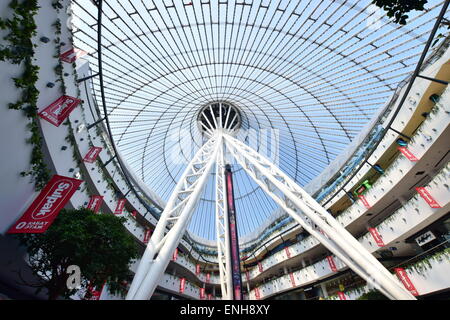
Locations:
{"points": [[222, 222]]}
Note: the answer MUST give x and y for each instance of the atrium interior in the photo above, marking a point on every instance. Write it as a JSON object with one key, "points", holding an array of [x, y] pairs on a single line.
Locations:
{"points": [[224, 150]]}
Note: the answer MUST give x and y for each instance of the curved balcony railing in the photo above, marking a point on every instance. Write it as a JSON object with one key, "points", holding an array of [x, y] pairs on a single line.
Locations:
{"points": [[403, 221]]}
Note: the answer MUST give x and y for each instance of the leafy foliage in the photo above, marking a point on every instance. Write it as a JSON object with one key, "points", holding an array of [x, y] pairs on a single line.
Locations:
{"points": [[398, 9], [21, 28], [98, 243], [372, 295]]}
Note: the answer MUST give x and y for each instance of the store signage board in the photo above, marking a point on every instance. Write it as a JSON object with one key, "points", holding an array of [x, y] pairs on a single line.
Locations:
{"points": [[92, 154], [45, 208], [58, 110], [423, 192], [376, 236], [94, 203]]}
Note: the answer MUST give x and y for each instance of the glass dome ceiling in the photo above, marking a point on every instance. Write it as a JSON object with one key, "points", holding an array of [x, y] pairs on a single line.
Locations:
{"points": [[305, 76]]}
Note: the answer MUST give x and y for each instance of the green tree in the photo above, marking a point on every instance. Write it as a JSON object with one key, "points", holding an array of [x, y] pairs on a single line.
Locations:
{"points": [[98, 243], [398, 9], [372, 295]]}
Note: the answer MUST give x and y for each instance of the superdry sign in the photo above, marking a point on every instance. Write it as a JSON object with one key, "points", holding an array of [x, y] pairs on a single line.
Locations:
{"points": [[44, 209], [376, 237], [92, 154], [94, 203], [364, 201], [408, 154], [147, 235], [72, 54], [288, 253], [403, 276], [120, 206], [57, 111], [182, 284], [427, 197], [331, 263]]}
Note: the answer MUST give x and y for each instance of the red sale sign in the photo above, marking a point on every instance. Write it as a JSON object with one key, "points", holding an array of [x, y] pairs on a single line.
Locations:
{"points": [[376, 236], [45, 208], [288, 253], [182, 284], [197, 269], [291, 276], [58, 110], [72, 54], [341, 295], [257, 295], [427, 197], [94, 203], [260, 267], [403, 276], [364, 201], [147, 235], [175, 255], [120, 206], [331, 263], [202, 293], [407, 154], [92, 154]]}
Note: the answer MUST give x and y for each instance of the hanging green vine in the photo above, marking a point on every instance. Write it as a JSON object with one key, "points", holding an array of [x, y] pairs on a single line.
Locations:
{"points": [[21, 28]]}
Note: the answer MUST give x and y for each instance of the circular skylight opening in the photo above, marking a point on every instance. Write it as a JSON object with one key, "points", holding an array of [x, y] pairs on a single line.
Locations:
{"points": [[219, 115]]}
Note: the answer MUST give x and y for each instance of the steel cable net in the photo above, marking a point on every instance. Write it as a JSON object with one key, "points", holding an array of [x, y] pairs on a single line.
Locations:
{"points": [[305, 77]]}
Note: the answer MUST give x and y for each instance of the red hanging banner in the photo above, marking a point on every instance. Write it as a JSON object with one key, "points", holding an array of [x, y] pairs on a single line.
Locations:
{"points": [[247, 275], [182, 284], [197, 269], [427, 197], [403, 276], [202, 293], [175, 255], [364, 201], [120, 206], [72, 54], [291, 276], [58, 110], [147, 235], [94, 203], [257, 295], [134, 213], [208, 277], [376, 236], [341, 295], [45, 208], [92, 154], [260, 267], [331, 263], [407, 154], [288, 253]]}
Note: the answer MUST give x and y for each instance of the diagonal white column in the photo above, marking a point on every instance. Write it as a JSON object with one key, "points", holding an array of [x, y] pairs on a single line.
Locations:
{"points": [[307, 212], [173, 221]]}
